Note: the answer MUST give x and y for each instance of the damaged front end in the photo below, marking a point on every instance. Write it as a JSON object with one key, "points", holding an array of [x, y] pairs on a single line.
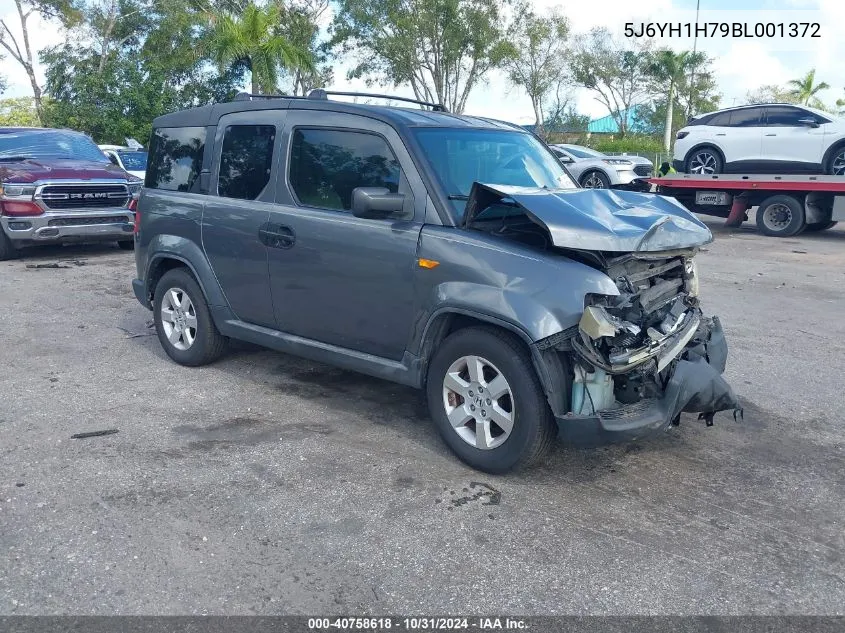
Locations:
{"points": [[638, 358], [646, 355]]}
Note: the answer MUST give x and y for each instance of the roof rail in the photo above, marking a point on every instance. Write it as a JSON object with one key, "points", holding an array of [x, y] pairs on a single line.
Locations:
{"points": [[319, 93]]}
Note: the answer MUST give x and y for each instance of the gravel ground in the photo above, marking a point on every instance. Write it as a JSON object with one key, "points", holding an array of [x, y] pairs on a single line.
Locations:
{"points": [[265, 484]]}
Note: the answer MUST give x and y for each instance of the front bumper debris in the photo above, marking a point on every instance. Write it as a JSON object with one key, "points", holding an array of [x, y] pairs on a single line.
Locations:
{"points": [[690, 382]]}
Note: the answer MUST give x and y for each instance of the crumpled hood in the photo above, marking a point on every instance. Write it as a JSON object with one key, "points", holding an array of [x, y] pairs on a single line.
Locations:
{"points": [[599, 219]]}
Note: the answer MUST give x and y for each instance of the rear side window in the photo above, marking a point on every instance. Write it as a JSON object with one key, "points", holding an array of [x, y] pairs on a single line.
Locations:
{"points": [[746, 118], [721, 119], [175, 159], [246, 159], [326, 165]]}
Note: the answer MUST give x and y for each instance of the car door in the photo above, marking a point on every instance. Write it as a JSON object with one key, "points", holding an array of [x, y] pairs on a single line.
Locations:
{"points": [[789, 144], [241, 195], [741, 140], [337, 278]]}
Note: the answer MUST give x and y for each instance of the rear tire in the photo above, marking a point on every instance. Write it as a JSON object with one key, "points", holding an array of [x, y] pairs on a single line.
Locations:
{"points": [[188, 334], [704, 161], [836, 163], [781, 216], [495, 368], [821, 226], [7, 251], [126, 245]]}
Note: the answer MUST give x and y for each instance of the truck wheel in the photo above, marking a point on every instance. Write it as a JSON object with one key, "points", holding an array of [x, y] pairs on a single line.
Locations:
{"points": [[780, 216], [183, 321], [487, 402], [126, 245], [595, 180], [821, 226], [7, 251]]}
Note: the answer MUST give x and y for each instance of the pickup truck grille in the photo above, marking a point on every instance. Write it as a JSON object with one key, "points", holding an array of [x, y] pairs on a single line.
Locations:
{"points": [[84, 196], [78, 221], [642, 170]]}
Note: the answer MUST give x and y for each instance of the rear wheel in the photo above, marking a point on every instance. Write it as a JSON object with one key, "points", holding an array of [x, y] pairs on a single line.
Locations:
{"points": [[183, 322], [836, 162], [704, 161], [487, 402], [781, 216], [595, 180]]}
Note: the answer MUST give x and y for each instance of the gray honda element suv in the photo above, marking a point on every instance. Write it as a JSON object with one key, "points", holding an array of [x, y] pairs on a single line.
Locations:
{"points": [[451, 253]]}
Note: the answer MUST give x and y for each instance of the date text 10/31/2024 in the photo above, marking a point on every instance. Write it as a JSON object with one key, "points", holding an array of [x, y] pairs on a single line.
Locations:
{"points": [[417, 624]]}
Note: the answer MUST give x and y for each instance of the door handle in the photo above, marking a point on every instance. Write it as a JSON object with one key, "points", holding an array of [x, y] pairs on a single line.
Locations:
{"points": [[771, 134], [721, 134], [277, 235]]}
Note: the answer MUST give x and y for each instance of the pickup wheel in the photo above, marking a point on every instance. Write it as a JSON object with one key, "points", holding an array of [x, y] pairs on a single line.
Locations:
{"points": [[7, 251], [487, 402], [781, 216], [183, 322]]}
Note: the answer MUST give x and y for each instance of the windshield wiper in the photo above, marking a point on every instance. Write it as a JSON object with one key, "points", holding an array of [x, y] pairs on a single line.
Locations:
{"points": [[14, 159], [457, 196]]}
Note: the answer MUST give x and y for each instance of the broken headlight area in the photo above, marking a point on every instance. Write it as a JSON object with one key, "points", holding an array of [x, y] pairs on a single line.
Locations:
{"points": [[649, 349]]}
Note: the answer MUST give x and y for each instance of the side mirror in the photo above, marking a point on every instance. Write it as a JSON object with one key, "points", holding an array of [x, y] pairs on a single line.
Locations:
{"points": [[375, 202], [809, 122]]}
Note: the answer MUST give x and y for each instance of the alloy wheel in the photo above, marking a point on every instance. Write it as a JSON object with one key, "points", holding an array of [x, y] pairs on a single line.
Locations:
{"points": [[837, 166], [179, 319], [703, 163], [593, 181], [479, 402]]}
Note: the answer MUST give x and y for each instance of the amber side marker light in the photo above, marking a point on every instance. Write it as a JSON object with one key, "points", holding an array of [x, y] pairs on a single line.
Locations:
{"points": [[427, 263]]}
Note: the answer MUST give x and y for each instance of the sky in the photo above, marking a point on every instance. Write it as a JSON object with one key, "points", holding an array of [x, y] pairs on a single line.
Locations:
{"points": [[740, 64]]}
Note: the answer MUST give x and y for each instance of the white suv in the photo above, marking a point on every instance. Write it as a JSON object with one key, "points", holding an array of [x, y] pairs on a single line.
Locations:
{"points": [[764, 138]]}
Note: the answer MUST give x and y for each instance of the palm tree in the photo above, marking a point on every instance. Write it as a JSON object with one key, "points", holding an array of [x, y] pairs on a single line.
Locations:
{"points": [[252, 38], [804, 90], [669, 69]]}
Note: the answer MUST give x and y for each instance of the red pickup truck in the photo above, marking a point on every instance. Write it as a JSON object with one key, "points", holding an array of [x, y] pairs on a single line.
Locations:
{"points": [[57, 186]]}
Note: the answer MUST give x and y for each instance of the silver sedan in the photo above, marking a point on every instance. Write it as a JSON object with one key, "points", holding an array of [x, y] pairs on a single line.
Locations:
{"points": [[594, 170]]}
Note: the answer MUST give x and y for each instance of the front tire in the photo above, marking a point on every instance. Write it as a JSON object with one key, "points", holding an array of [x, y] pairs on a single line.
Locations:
{"points": [[704, 161], [486, 400], [183, 322], [595, 180], [836, 162], [7, 251], [781, 216]]}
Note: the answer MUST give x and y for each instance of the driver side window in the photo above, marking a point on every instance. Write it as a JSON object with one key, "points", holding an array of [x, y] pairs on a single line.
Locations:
{"points": [[327, 164]]}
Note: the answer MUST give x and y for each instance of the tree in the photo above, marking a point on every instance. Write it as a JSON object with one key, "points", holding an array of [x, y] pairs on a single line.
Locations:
{"points": [[770, 93], [805, 89], [65, 12], [252, 38], [615, 73], [668, 70], [537, 62], [300, 25], [19, 111], [127, 62], [441, 48]]}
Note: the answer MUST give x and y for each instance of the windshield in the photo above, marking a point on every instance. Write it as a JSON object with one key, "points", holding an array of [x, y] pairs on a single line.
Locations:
{"points": [[494, 157], [582, 152], [133, 161], [49, 144]]}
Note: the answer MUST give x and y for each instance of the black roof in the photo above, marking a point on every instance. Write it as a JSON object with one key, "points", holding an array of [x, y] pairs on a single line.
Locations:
{"points": [[396, 116]]}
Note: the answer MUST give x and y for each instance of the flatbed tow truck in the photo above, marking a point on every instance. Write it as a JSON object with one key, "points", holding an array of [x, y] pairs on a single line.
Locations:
{"points": [[787, 204]]}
